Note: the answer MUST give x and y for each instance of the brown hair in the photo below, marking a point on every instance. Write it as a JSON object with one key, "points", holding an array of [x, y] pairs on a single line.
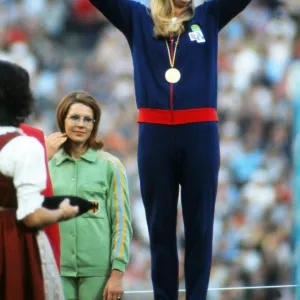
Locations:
{"points": [[86, 99]]}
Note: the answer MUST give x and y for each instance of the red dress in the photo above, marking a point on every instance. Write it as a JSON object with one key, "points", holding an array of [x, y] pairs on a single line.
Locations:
{"points": [[20, 266], [52, 231]]}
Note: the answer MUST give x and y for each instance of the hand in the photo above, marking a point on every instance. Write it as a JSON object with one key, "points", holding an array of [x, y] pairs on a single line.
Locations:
{"points": [[68, 211], [114, 287], [53, 143]]}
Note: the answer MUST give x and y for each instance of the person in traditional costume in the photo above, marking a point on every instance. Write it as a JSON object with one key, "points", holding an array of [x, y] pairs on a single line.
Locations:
{"points": [[52, 230], [27, 266]]}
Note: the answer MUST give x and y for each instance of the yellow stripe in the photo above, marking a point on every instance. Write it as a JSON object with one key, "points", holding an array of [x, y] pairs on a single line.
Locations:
{"points": [[117, 213], [116, 204], [114, 160], [123, 206]]}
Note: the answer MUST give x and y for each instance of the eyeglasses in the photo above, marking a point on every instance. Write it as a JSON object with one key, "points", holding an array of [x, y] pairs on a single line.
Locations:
{"points": [[75, 120]]}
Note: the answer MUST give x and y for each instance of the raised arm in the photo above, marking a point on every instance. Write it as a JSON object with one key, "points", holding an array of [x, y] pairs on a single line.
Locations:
{"points": [[226, 10], [118, 12]]}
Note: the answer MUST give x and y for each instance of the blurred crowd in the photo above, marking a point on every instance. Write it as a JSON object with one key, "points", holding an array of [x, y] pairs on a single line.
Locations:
{"points": [[68, 45]]}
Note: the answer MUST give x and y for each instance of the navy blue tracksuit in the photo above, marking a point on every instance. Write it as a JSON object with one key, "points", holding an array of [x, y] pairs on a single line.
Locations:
{"points": [[176, 152]]}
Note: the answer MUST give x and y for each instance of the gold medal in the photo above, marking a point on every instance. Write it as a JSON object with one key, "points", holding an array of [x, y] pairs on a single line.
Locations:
{"points": [[172, 75]]}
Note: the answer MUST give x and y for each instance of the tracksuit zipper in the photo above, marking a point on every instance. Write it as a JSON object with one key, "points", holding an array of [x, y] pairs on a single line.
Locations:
{"points": [[171, 84]]}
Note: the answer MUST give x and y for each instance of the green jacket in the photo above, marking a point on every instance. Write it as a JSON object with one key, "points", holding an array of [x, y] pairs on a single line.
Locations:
{"points": [[98, 241]]}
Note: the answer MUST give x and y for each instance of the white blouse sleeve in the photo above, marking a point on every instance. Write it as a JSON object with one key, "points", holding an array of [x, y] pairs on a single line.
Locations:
{"points": [[23, 159]]}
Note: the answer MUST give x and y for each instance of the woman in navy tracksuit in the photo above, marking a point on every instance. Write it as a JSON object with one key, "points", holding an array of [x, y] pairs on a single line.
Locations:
{"points": [[174, 48]]}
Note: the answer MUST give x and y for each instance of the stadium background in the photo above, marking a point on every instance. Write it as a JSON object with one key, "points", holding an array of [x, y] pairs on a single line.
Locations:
{"points": [[68, 45]]}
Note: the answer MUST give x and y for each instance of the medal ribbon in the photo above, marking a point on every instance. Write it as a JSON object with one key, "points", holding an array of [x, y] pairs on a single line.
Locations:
{"points": [[172, 59]]}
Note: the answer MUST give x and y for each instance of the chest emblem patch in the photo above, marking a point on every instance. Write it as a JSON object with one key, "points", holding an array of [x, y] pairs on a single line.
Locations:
{"points": [[197, 34], [96, 207]]}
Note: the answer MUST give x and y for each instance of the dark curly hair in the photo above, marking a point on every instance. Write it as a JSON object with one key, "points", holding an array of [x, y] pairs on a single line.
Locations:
{"points": [[16, 100]]}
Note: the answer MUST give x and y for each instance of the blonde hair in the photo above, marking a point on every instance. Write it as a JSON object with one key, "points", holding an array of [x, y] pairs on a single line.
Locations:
{"points": [[162, 12]]}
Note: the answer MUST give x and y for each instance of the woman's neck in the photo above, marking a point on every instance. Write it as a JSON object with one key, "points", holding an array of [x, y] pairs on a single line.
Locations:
{"points": [[77, 150], [179, 10]]}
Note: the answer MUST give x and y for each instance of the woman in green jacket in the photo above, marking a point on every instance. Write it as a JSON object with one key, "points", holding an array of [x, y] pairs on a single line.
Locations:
{"points": [[95, 246]]}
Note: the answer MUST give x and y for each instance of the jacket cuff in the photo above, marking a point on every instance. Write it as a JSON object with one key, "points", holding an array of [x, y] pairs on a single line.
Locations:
{"points": [[118, 265]]}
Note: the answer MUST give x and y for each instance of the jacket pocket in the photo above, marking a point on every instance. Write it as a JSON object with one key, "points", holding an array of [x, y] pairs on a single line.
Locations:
{"points": [[97, 194]]}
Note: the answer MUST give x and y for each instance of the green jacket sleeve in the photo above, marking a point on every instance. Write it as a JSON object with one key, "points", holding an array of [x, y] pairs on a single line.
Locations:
{"points": [[120, 217]]}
